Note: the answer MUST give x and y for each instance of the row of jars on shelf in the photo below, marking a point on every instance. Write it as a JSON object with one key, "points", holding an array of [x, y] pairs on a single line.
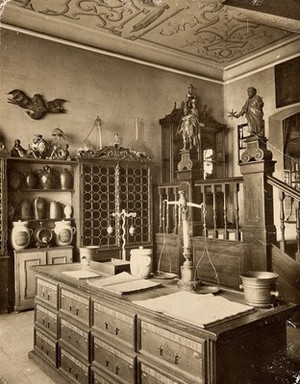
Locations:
{"points": [[39, 208], [45, 178], [22, 235]]}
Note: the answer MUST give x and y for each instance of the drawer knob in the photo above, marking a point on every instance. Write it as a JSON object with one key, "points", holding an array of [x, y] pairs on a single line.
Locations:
{"points": [[106, 362], [117, 369]]}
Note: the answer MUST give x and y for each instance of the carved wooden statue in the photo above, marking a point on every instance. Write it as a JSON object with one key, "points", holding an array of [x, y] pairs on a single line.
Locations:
{"points": [[37, 107], [253, 111]]}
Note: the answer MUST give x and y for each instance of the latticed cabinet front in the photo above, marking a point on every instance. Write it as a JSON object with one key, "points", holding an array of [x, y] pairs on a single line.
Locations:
{"points": [[108, 189]]}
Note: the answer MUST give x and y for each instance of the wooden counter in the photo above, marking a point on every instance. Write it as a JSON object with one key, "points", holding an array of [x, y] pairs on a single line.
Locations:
{"points": [[90, 336]]}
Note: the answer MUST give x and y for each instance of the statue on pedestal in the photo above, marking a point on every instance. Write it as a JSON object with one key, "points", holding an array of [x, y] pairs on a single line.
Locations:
{"points": [[253, 111], [189, 126]]}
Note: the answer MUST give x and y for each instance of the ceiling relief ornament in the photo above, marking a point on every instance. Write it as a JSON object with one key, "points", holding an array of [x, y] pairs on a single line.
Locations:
{"points": [[201, 29], [126, 18], [213, 31]]}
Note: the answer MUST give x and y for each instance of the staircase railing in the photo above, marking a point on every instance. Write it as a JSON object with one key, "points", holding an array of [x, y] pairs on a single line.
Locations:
{"points": [[221, 197], [285, 192]]}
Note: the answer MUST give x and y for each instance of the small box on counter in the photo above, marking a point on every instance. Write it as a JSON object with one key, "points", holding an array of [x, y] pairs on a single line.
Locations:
{"points": [[112, 267]]}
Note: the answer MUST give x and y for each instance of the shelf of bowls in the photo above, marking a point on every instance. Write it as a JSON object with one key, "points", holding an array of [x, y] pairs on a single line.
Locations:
{"points": [[37, 219]]}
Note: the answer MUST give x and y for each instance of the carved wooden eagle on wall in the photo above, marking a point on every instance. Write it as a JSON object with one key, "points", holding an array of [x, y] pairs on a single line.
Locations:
{"points": [[37, 107]]}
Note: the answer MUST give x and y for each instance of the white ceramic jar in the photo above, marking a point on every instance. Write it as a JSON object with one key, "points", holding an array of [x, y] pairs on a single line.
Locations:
{"points": [[64, 232], [141, 262], [20, 234]]}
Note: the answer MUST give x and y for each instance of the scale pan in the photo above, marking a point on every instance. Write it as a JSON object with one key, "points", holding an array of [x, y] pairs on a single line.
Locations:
{"points": [[165, 275], [208, 289]]}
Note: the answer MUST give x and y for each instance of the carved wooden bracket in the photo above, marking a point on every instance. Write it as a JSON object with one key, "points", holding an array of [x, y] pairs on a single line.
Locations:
{"points": [[37, 107]]}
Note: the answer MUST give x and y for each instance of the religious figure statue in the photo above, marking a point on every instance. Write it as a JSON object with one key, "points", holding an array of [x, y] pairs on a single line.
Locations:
{"points": [[189, 129], [189, 126], [253, 111], [18, 150], [191, 96]]}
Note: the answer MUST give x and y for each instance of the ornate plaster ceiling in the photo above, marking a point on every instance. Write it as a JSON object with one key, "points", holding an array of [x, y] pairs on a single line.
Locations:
{"points": [[168, 32]]}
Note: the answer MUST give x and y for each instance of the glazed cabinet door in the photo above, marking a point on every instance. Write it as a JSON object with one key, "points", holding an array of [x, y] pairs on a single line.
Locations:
{"points": [[109, 188], [25, 283]]}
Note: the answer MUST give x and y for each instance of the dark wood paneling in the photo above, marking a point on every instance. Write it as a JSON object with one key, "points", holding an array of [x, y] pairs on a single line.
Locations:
{"points": [[229, 258], [4, 267]]}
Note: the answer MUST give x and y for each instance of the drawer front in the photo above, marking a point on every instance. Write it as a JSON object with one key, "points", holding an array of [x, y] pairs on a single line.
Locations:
{"points": [[59, 256], [100, 378], [118, 363], [114, 323], [176, 350], [46, 347], [76, 337], [75, 305], [150, 375], [46, 319], [47, 292], [73, 367]]}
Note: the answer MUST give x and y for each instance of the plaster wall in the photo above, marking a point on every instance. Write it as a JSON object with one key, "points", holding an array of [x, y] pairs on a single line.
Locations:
{"points": [[93, 84]]}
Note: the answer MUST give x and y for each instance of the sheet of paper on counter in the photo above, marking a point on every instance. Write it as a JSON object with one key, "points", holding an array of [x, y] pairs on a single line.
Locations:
{"points": [[82, 274], [123, 283], [199, 310]]}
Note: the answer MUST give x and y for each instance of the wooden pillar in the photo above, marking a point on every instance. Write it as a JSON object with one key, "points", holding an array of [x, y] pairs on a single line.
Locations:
{"points": [[258, 229]]}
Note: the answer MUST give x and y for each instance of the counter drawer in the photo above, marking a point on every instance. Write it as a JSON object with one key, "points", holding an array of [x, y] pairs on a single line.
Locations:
{"points": [[72, 367], [98, 377], [75, 305], [120, 364], [46, 347], [46, 319], [77, 338], [152, 375], [115, 323], [176, 350], [47, 292]]}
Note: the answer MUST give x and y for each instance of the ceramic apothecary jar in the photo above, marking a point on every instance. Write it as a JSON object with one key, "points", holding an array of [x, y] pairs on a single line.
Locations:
{"points": [[20, 235], [141, 262], [64, 232]]}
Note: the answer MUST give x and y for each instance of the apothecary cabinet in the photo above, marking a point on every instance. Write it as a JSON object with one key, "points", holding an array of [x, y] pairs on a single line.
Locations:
{"points": [[21, 187], [108, 187], [39, 198], [211, 151]]}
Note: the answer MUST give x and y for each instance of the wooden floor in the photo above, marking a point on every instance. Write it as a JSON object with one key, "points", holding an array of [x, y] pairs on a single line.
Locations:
{"points": [[16, 340]]}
